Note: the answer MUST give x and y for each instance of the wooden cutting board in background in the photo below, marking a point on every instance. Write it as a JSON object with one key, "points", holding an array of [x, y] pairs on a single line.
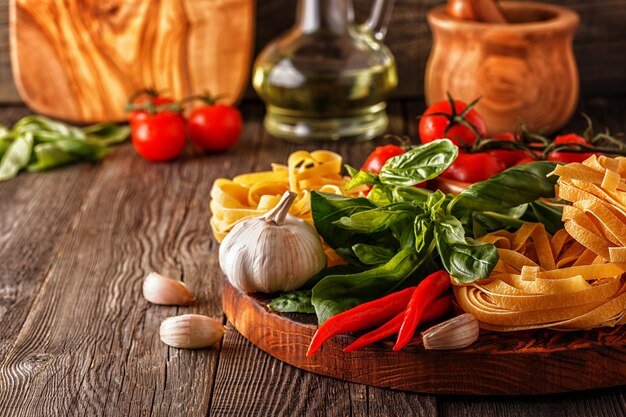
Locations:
{"points": [[79, 60]]}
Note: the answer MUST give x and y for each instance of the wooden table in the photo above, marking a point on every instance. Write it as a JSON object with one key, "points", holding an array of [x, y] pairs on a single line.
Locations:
{"points": [[77, 338]]}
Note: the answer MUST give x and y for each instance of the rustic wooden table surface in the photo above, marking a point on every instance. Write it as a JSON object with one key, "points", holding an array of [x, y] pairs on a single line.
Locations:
{"points": [[78, 339]]}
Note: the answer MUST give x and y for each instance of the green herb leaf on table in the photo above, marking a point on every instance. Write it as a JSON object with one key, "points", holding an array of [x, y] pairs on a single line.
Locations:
{"points": [[16, 156], [48, 155]]}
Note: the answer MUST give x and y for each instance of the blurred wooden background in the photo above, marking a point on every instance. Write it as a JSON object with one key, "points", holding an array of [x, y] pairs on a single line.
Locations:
{"points": [[599, 45]]}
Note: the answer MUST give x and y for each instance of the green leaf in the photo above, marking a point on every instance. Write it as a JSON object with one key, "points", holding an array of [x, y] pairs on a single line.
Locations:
{"points": [[16, 156], [48, 155], [378, 219], [518, 185], [107, 134], [337, 293], [81, 149], [5, 144], [419, 164], [293, 302], [484, 222], [372, 254], [362, 178], [548, 214], [45, 129], [422, 232], [464, 258], [328, 208], [381, 195]]}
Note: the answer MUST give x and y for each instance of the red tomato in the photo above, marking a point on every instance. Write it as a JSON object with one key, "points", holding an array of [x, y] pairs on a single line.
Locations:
{"points": [[509, 157], [374, 163], [159, 137], [525, 160], [473, 167], [433, 127], [215, 127], [567, 157], [148, 97]]}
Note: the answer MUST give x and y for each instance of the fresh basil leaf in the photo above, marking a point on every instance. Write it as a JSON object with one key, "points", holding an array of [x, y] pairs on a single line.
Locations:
{"points": [[362, 178], [107, 134], [409, 194], [46, 129], [337, 293], [48, 155], [293, 302], [548, 214], [422, 232], [517, 185], [419, 164], [484, 222], [403, 232], [81, 149], [352, 171], [381, 195], [16, 156], [464, 258], [378, 219], [328, 208], [371, 254], [5, 144], [332, 270]]}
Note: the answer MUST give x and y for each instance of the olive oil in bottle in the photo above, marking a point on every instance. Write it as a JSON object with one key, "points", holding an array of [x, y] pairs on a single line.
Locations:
{"points": [[326, 79]]}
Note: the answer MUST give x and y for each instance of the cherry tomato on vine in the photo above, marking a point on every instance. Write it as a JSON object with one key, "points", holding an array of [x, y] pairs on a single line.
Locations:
{"points": [[473, 167], [508, 156], [433, 126], [160, 136], [375, 161], [525, 160], [567, 157], [142, 98], [214, 126]]}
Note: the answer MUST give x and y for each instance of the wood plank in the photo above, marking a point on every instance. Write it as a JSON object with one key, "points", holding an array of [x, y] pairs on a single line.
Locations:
{"points": [[90, 344], [27, 251], [598, 403]]}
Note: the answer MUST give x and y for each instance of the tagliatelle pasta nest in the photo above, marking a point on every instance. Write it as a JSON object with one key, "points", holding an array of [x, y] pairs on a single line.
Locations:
{"points": [[573, 280], [252, 195]]}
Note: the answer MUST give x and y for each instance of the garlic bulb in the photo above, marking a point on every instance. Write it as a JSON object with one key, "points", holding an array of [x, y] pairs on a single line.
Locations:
{"points": [[159, 289], [457, 333], [274, 252], [191, 331]]}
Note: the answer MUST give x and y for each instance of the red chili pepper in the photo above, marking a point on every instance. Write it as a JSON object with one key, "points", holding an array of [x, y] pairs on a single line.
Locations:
{"points": [[361, 317], [440, 307], [425, 294]]}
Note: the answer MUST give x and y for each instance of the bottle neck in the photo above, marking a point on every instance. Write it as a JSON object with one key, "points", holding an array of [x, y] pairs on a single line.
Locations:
{"points": [[331, 15]]}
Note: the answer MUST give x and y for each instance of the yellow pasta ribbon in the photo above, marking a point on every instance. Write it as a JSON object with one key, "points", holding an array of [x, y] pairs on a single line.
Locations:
{"points": [[253, 194], [572, 280]]}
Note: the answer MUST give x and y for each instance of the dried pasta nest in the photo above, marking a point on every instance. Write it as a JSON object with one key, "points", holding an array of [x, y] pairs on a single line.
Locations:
{"points": [[252, 195], [572, 280]]}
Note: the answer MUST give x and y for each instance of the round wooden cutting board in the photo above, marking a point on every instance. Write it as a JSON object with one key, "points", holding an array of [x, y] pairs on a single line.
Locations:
{"points": [[533, 362]]}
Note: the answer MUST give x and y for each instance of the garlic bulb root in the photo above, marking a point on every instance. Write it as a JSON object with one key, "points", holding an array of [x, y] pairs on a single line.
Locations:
{"points": [[191, 331], [159, 289], [274, 252]]}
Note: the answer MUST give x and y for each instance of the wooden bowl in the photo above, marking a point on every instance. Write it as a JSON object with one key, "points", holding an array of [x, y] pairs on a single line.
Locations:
{"points": [[524, 71]]}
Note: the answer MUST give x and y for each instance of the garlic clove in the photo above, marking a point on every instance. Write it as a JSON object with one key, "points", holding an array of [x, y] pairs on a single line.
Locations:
{"points": [[159, 289], [457, 333], [191, 331]]}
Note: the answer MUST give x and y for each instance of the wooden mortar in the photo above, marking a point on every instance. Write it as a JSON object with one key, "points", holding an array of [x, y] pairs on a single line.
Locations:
{"points": [[524, 71]]}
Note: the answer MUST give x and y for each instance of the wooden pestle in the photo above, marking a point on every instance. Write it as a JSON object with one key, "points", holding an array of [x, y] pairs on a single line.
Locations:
{"points": [[479, 10]]}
